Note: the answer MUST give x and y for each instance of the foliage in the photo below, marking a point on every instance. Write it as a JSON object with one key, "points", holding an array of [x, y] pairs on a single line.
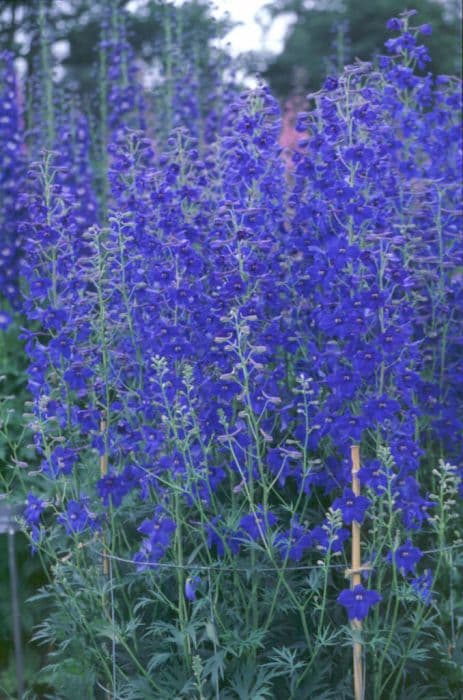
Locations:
{"points": [[325, 34], [77, 24]]}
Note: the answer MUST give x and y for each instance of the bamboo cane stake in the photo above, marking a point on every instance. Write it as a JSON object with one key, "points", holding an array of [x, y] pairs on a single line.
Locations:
{"points": [[356, 578], [105, 560], [103, 472]]}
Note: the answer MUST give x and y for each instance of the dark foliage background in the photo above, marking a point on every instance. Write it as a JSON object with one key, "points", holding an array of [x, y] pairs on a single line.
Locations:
{"points": [[326, 34], [323, 35]]}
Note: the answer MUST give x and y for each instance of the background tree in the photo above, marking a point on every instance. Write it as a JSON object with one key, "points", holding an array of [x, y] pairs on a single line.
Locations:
{"points": [[74, 30], [327, 33]]}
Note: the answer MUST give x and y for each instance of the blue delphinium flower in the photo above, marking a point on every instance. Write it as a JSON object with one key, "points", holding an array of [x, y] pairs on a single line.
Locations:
{"points": [[5, 320], [331, 83], [374, 476], [425, 29], [60, 462], [295, 542], [414, 507], [221, 538], [395, 24], [77, 517], [405, 557], [351, 506], [158, 533], [108, 489], [191, 587], [358, 601], [422, 585], [32, 514], [255, 525]]}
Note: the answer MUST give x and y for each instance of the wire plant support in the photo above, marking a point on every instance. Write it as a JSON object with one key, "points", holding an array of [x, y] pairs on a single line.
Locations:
{"points": [[355, 574]]}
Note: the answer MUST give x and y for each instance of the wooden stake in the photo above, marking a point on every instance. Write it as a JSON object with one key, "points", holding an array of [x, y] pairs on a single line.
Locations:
{"points": [[103, 472], [356, 577], [105, 560]]}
